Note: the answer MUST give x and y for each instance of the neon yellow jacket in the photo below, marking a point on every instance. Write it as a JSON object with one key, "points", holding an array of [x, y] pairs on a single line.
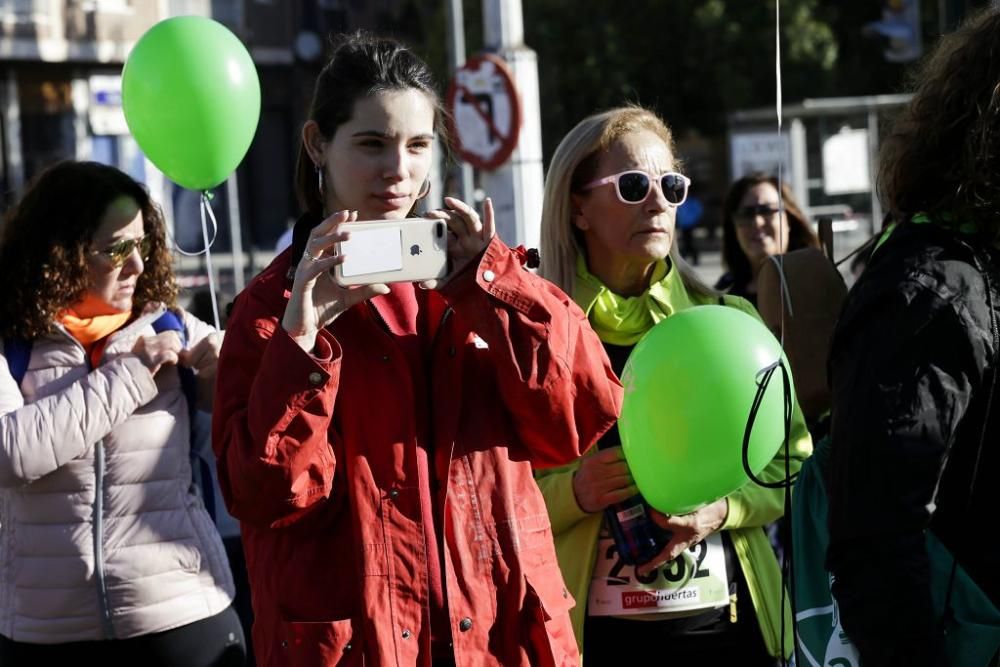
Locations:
{"points": [[750, 508]]}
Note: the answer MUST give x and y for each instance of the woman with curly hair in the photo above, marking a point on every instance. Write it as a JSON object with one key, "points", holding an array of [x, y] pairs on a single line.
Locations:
{"points": [[107, 554], [914, 465], [757, 224]]}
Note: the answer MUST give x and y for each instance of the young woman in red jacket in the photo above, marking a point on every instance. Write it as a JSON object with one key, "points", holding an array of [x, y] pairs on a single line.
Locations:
{"points": [[377, 442]]}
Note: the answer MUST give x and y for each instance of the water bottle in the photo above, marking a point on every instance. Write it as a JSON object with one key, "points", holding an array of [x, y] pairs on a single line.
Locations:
{"points": [[638, 538]]}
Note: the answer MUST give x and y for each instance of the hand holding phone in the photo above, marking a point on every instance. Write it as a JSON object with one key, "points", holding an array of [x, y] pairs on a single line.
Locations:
{"points": [[315, 299], [468, 234], [393, 251]]}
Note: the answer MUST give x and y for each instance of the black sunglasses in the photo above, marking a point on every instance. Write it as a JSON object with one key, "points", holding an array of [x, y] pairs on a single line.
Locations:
{"points": [[745, 215]]}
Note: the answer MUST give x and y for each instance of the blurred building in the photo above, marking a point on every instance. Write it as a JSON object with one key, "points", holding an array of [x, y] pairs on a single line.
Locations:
{"points": [[60, 97]]}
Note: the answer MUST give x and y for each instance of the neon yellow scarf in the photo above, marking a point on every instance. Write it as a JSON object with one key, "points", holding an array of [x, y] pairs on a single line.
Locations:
{"points": [[621, 320]]}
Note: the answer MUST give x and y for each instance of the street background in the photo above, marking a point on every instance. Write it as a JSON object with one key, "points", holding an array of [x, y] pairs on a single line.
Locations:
{"points": [[706, 66]]}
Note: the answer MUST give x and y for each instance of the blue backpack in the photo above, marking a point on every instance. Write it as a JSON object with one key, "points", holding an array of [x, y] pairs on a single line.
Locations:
{"points": [[18, 352]]}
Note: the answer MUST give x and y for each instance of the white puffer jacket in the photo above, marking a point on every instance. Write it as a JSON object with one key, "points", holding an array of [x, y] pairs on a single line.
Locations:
{"points": [[101, 535]]}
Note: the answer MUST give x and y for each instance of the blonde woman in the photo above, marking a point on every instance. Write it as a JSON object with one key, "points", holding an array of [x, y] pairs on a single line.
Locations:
{"points": [[608, 239]]}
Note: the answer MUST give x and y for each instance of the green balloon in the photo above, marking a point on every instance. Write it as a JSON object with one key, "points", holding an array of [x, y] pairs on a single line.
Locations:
{"points": [[689, 385], [192, 99]]}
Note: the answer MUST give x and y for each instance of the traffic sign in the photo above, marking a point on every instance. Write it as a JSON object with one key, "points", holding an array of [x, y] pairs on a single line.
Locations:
{"points": [[485, 112]]}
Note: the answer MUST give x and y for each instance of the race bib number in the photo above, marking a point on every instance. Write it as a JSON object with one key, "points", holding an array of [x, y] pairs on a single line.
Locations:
{"points": [[697, 579]]}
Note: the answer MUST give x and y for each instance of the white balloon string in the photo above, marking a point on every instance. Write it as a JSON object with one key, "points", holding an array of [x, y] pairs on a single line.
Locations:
{"points": [[781, 200], [208, 242], [206, 209]]}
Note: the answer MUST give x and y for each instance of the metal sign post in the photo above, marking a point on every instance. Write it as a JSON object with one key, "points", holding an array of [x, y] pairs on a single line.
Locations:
{"points": [[515, 183]]}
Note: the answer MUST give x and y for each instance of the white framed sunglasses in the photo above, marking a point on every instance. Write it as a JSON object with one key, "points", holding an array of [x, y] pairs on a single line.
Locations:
{"points": [[634, 185]]}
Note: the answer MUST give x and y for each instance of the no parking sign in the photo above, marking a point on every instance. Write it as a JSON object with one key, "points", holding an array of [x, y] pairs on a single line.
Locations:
{"points": [[485, 112]]}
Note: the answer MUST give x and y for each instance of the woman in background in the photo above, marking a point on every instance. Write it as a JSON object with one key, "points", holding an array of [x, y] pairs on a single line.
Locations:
{"points": [[754, 228]]}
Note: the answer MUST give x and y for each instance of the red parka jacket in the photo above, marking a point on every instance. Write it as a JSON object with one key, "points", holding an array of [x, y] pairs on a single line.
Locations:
{"points": [[317, 458]]}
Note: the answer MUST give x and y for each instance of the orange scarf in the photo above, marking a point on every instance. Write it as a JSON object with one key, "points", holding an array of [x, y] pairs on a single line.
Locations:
{"points": [[90, 322]]}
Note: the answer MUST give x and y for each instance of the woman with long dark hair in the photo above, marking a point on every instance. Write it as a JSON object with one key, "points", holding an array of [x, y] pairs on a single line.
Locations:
{"points": [[377, 443], [757, 224]]}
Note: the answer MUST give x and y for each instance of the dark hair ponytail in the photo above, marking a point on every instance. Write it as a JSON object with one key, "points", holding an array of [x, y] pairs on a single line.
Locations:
{"points": [[362, 65]]}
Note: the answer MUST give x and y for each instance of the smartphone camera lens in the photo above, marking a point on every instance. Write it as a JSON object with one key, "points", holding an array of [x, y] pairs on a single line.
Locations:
{"points": [[439, 230]]}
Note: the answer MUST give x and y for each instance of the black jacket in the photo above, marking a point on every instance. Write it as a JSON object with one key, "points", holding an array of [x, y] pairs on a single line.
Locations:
{"points": [[911, 368], [730, 285]]}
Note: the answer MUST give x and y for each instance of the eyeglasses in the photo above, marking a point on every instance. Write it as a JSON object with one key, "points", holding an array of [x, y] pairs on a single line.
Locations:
{"points": [[119, 251], [633, 186], [745, 215]]}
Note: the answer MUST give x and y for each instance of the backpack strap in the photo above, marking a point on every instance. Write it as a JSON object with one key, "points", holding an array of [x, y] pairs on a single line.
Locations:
{"points": [[201, 470], [169, 321], [17, 352]]}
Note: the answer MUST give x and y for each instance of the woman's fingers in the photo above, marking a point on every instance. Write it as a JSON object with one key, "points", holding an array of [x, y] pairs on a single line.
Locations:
{"points": [[489, 220], [365, 292], [155, 351], [673, 549], [322, 246], [466, 214], [456, 223], [621, 495], [327, 234], [312, 270], [200, 354], [616, 469], [609, 455], [331, 222]]}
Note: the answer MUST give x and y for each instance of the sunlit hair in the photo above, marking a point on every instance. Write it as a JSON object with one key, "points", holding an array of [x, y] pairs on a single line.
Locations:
{"points": [[943, 152], [800, 233], [574, 164], [48, 235]]}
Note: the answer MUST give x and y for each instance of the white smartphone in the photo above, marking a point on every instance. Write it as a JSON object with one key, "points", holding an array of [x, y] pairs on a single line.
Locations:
{"points": [[393, 251]]}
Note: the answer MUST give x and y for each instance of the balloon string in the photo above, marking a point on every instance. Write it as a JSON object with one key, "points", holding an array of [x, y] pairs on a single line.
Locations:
{"points": [[206, 209], [205, 198], [763, 380], [784, 298], [780, 175]]}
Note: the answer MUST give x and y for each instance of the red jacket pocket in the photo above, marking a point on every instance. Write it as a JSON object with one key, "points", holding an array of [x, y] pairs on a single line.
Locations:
{"points": [[319, 644], [549, 630]]}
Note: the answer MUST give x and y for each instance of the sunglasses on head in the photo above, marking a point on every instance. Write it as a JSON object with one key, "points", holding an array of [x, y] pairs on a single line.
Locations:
{"points": [[119, 251], [633, 186], [745, 215]]}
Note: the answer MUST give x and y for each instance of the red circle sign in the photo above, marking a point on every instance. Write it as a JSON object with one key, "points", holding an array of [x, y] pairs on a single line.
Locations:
{"points": [[484, 112]]}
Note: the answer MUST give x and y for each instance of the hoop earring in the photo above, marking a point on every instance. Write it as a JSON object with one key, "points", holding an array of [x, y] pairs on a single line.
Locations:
{"points": [[425, 190], [319, 180]]}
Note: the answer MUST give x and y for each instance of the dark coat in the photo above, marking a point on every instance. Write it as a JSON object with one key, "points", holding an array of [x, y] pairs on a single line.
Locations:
{"points": [[911, 370]]}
